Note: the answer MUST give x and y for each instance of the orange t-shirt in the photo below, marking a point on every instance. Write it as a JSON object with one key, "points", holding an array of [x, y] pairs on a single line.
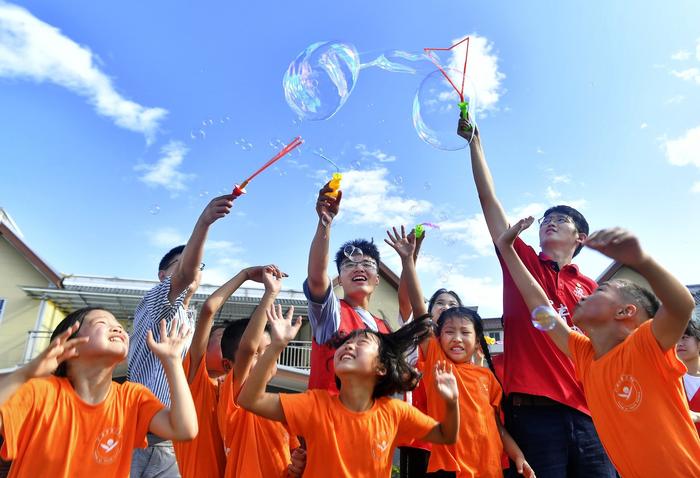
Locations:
{"points": [[638, 405], [255, 447], [204, 456], [479, 447], [346, 444], [50, 431]]}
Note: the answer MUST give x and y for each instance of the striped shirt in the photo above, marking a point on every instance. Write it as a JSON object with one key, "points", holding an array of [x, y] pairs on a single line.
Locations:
{"points": [[144, 366]]}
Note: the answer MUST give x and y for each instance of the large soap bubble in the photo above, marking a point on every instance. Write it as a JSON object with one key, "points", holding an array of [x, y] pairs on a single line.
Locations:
{"points": [[319, 81], [436, 110]]}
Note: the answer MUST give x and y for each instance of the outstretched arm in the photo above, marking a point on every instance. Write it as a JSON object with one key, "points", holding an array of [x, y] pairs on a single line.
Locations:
{"points": [[326, 208], [677, 304], [253, 396], [179, 422], [59, 350], [191, 257], [250, 340], [445, 432], [529, 288], [496, 219]]}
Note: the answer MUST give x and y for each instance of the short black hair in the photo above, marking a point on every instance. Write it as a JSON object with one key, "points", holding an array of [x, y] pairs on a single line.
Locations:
{"points": [[394, 349], [168, 257], [474, 317], [368, 248], [231, 338], [67, 323], [640, 296], [579, 221], [438, 293]]}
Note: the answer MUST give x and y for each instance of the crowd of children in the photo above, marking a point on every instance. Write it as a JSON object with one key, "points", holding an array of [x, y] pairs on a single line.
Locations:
{"points": [[596, 380]]}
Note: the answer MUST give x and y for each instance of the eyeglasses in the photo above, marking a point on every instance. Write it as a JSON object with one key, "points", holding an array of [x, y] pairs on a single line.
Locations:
{"points": [[367, 265], [201, 266], [554, 218]]}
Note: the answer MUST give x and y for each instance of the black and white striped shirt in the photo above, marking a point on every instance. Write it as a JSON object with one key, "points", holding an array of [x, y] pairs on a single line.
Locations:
{"points": [[144, 366]]}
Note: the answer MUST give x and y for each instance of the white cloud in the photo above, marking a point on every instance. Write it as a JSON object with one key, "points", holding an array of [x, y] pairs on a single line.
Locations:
{"points": [[685, 149], [675, 99], [643, 126], [482, 69], [696, 187], [166, 238], [689, 74], [370, 198], [680, 55], [377, 154], [539, 150], [552, 194], [32, 49], [165, 171]]}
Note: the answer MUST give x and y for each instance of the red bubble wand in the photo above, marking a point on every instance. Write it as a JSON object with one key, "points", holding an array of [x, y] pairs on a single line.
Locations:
{"points": [[240, 190], [463, 105]]}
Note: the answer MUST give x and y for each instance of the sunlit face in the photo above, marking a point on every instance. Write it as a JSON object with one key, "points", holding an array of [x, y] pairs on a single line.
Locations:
{"points": [[170, 268], [214, 358], [106, 334], [359, 278], [359, 355], [559, 231], [688, 348], [601, 305], [443, 302], [458, 339]]}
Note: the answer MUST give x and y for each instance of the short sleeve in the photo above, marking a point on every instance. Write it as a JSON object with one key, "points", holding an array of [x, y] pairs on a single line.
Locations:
{"points": [[158, 304], [413, 423], [581, 353], [147, 405], [433, 353], [300, 410], [495, 391], [647, 348], [19, 412], [324, 317]]}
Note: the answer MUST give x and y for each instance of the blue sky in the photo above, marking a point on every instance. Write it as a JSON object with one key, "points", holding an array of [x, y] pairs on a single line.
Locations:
{"points": [[594, 106]]}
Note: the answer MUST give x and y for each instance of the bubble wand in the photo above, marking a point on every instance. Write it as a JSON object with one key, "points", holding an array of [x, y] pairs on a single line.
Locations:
{"points": [[463, 105], [334, 183], [240, 190]]}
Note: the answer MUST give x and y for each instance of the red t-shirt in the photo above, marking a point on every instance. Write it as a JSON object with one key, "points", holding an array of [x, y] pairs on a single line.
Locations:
{"points": [[532, 362]]}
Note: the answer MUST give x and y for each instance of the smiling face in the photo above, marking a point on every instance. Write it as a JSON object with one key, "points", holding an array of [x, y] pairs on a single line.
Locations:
{"points": [[458, 339], [359, 279], [358, 355], [443, 302], [688, 348], [106, 334]]}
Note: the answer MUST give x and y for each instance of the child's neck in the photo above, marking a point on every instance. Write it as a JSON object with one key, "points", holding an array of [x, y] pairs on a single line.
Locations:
{"points": [[562, 258], [354, 301], [91, 381], [693, 366], [356, 393], [605, 338]]}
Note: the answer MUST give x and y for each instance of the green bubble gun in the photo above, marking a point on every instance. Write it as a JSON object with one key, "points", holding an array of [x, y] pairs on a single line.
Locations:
{"points": [[464, 108], [419, 230]]}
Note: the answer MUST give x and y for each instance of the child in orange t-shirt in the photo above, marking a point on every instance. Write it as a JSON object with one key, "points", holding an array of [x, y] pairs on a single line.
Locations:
{"points": [[77, 422], [354, 434], [458, 338], [255, 446], [627, 364], [204, 366]]}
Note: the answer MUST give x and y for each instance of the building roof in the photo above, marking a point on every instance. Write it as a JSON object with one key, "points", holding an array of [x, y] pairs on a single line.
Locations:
{"points": [[121, 296], [11, 233]]}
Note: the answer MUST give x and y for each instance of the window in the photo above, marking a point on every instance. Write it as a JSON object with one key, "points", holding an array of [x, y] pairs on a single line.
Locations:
{"points": [[494, 335], [2, 307]]}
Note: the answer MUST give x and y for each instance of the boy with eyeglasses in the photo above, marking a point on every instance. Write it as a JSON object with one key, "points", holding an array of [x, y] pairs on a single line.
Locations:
{"points": [[178, 272], [545, 407], [357, 262]]}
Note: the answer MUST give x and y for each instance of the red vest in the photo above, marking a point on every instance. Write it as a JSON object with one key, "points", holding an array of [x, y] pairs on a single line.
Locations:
{"points": [[322, 373], [695, 406]]}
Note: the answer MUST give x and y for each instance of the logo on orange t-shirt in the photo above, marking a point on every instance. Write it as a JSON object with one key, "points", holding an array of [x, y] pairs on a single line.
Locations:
{"points": [[380, 448], [628, 393], [108, 445]]}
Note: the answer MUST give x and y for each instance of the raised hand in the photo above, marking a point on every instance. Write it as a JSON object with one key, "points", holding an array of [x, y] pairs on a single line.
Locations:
{"points": [[272, 277], [419, 241], [508, 237], [217, 208], [171, 342], [327, 207], [59, 350], [282, 328], [445, 381], [256, 273], [404, 245], [618, 244], [466, 129]]}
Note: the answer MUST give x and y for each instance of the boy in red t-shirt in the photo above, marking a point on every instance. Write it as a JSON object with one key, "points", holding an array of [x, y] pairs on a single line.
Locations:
{"points": [[627, 364]]}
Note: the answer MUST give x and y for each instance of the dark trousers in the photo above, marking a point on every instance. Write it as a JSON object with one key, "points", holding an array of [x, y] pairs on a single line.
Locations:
{"points": [[413, 462], [557, 441], [441, 474]]}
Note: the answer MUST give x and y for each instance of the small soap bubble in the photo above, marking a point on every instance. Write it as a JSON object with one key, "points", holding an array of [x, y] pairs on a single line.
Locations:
{"points": [[356, 164], [203, 193], [353, 253], [204, 123], [427, 186], [544, 317], [398, 180], [211, 122], [192, 135], [155, 209], [202, 134]]}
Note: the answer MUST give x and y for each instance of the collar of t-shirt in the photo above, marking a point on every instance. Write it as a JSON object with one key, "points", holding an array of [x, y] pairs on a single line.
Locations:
{"points": [[692, 385], [367, 318], [554, 265]]}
